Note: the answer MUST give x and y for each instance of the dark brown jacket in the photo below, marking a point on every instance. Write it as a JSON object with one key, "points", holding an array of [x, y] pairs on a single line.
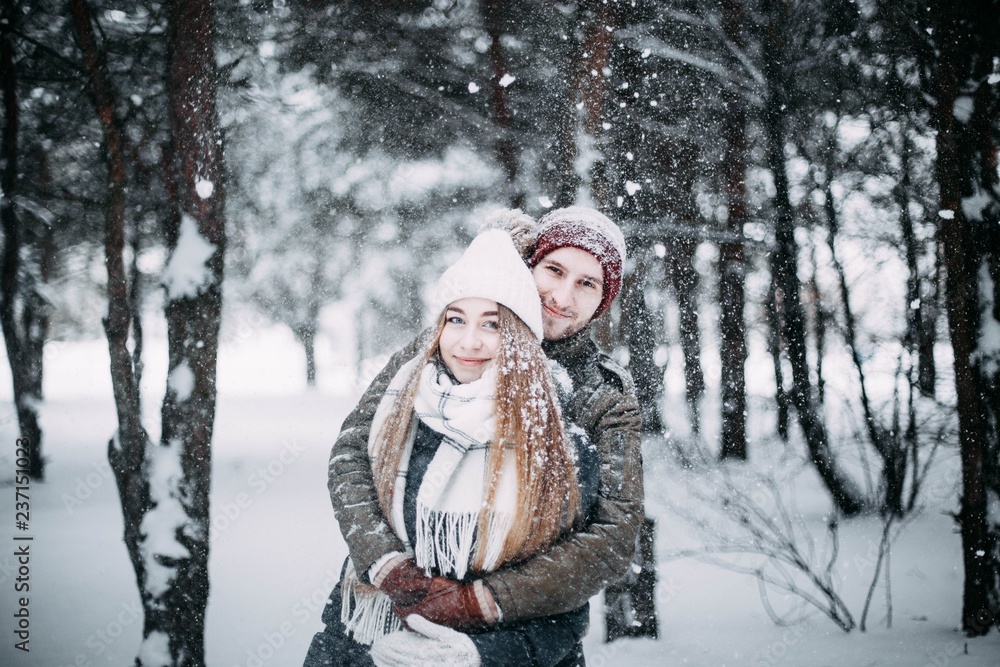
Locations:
{"points": [[574, 569]]}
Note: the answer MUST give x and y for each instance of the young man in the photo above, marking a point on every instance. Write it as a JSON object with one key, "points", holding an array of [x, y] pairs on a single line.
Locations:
{"points": [[577, 263]]}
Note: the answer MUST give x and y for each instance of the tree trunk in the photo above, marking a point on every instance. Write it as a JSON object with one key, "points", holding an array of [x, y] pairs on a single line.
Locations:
{"points": [[583, 58], [306, 334], [732, 261], [592, 65], [129, 448], [733, 352], [781, 403], [677, 162], [821, 317], [639, 327], [630, 605], [164, 488], [684, 279], [930, 309], [966, 171], [917, 339], [784, 268], [309, 343], [306, 331], [23, 310], [505, 146], [560, 177], [193, 313]]}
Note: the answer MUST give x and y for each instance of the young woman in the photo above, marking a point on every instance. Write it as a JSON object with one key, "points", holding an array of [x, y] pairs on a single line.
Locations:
{"points": [[474, 470]]}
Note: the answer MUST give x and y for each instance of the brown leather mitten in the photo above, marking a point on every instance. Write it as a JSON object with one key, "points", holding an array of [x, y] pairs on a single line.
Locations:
{"points": [[403, 581], [455, 605]]}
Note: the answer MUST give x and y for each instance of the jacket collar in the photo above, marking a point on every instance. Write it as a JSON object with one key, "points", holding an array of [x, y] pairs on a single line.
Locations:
{"points": [[572, 350]]}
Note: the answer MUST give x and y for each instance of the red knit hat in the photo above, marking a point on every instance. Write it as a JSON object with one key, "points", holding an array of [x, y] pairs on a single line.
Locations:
{"points": [[590, 231]]}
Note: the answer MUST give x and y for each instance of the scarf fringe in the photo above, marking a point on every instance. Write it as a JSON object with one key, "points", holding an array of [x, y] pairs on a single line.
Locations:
{"points": [[365, 611], [447, 541]]}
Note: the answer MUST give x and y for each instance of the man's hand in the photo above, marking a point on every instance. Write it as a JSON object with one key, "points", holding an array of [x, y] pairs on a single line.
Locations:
{"points": [[403, 581], [455, 605]]}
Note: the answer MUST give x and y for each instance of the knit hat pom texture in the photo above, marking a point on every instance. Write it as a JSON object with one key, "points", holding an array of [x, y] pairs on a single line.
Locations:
{"points": [[521, 227]]}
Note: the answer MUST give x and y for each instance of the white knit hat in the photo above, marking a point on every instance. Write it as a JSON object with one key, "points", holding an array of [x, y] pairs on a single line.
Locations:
{"points": [[490, 268]]}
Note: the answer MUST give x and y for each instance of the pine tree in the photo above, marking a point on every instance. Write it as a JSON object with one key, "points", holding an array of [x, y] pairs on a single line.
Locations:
{"points": [[164, 488]]}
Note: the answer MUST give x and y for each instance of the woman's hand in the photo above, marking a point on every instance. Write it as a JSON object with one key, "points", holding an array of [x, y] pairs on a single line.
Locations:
{"points": [[424, 645], [455, 605]]}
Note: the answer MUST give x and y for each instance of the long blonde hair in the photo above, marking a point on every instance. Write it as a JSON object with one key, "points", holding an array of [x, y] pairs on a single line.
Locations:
{"points": [[528, 423]]}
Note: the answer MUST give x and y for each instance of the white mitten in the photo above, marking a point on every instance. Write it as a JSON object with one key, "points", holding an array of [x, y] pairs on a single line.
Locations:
{"points": [[427, 645]]}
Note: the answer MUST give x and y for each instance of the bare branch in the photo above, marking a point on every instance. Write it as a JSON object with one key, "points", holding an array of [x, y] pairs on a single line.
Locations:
{"points": [[660, 49]]}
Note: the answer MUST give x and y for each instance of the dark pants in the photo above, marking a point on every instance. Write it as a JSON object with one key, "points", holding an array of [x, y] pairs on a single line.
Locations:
{"points": [[574, 659], [327, 650]]}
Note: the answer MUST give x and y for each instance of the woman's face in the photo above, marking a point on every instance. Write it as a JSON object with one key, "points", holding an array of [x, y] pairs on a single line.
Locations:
{"points": [[470, 338]]}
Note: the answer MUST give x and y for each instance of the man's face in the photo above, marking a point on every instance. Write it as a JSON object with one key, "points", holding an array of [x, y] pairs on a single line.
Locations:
{"points": [[570, 283]]}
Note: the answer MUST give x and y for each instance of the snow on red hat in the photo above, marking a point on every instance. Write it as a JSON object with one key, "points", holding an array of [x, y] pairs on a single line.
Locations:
{"points": [[590, 231]]}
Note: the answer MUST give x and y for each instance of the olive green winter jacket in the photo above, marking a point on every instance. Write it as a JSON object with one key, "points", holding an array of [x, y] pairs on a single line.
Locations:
{"points": [[581, 564]]}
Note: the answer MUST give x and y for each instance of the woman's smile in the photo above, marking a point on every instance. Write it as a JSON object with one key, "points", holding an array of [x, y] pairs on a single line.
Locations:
{"points": [[470, 337], [469, 361]]}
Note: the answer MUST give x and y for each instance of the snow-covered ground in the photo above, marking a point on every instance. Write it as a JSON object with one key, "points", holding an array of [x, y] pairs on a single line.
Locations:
{"points": [[276, 549]]}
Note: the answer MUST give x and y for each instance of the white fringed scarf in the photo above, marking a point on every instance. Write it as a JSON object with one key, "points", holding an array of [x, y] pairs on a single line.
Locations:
{"points": [[451, 492]]}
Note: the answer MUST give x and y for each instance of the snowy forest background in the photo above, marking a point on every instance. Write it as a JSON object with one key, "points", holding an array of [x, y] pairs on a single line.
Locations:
{"points": [[219, 218]]}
